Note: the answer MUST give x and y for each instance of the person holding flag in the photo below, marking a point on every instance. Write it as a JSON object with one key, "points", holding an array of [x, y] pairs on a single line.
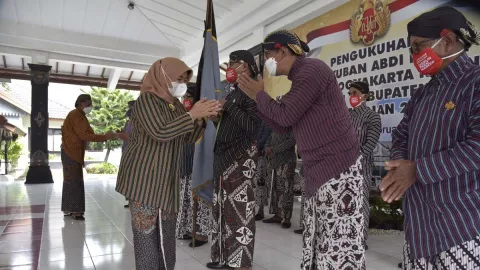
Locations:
{"points": [[150, 166], [235, 158]]}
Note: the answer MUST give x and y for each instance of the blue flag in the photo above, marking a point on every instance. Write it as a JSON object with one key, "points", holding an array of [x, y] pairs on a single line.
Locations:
{"points": [[208, 86]]}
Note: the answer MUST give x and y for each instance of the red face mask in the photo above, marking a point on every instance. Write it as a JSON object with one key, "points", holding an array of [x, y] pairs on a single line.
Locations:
{"points": [[232, 74], [188, 104], [427, 62], [355, 101]]}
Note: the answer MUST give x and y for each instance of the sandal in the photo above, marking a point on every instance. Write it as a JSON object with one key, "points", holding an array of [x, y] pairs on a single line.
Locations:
{"points": [[80, 217], [198, 243], [185, 237]]}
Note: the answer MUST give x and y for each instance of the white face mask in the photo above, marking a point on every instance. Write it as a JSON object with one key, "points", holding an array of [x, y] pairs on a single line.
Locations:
{"points": [[271, 65], [87, 110], [178, 90]]}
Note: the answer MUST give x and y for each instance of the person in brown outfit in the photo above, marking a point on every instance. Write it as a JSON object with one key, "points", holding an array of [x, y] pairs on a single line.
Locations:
{"points": [[76, 133]]}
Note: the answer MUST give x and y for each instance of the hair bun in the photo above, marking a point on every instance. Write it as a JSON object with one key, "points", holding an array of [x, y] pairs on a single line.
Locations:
{"points": [[305, 47]]}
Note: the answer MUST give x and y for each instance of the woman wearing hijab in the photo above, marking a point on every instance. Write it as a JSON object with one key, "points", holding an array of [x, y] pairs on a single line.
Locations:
{"points": [[76, 133], [127, 130], [185, 214], [150, 166], [368, 125]]}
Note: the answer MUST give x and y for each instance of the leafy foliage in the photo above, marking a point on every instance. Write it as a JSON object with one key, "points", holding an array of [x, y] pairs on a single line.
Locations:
{"points": [[15, 149], [108, 113], [384, 215], [101, 168]]}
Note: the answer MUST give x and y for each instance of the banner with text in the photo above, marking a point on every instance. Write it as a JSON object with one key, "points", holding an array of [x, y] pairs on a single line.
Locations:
{"points": [[367, 40]]}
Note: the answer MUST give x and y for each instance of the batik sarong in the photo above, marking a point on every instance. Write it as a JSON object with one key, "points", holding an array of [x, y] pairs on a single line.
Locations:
{"points": [[185, 214], [282, 191], [333, 229], [262, 182], [462, 257], [300, 179], [153, 237], [73, 193], [367, 186], [233, 232]]}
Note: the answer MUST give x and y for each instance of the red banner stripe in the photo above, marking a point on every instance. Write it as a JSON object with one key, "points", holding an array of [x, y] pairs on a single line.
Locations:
{"points": [[345, 25]]}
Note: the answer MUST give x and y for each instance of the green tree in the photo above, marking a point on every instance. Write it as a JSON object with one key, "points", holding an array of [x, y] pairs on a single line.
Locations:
{"points": [[108, 113], [15, 149]]}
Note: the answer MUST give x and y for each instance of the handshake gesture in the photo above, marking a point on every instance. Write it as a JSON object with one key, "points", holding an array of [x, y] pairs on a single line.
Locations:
{"points": [[116, 135], [205, 108]]}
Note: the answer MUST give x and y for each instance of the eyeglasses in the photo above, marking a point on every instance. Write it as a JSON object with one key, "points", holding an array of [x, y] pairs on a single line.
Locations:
{"points": [[417, 46], [231, 63]]}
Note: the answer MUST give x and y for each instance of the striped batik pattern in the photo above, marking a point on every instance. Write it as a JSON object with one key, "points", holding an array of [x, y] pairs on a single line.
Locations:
{"points": [[316, 110], [441, 132], [150, 167], [237, 131], [76, 132], [368, 125]]}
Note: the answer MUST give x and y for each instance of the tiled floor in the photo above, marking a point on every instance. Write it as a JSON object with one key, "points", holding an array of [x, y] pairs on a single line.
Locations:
{"points": [[35, 235]]}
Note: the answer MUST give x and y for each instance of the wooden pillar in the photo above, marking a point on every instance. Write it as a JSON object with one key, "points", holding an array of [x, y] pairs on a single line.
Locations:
{"points": [[39, 171]]}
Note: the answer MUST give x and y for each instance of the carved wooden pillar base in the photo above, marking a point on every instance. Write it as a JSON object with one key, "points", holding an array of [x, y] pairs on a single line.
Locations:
{"points": [[39, 175]]}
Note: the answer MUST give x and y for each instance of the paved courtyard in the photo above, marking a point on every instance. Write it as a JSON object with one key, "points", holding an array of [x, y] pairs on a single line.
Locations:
{"points": [[35, 235]]}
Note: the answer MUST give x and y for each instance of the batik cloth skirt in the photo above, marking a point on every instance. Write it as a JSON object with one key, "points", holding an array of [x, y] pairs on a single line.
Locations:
{"points": [[73, 192], [462, 257], [262, 182], [233, 232], [282, 190], [300, 180], [153, 237], [333, 228], [367, 187], [185, 213]]}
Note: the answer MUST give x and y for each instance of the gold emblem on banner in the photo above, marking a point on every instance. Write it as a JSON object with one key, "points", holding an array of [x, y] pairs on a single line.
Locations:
{"points": [[371, 20]]}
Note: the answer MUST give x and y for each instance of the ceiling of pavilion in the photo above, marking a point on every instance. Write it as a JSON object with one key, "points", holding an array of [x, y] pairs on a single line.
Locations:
{"points": [[98, 42]]}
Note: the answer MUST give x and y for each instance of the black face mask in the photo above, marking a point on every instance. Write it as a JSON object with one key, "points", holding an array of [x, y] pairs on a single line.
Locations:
{"points": [[129, 113]]}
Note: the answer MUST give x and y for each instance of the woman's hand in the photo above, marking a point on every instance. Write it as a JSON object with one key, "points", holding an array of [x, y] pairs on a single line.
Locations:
{"points": [[205, 108], [110, 135], [122, 136]]}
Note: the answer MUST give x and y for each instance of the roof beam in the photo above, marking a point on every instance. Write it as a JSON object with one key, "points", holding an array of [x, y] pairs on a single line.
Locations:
{"points": [[69, 79], [9, 50], [113, 78], [56, 40]]}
